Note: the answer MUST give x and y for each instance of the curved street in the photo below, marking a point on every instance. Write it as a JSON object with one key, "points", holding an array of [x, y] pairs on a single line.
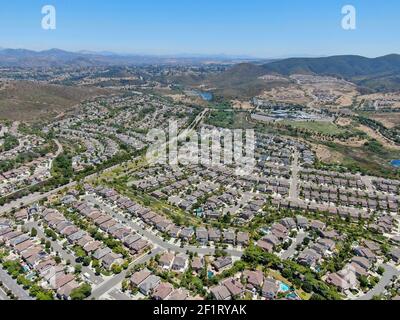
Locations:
{"points": [[386, 278]]}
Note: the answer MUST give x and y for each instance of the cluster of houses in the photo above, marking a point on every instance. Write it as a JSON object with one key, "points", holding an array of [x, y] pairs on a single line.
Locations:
{"points": [[132, 139], [268, 142], [97, 149], [340, 180], [26, 175], [37, 263], [172, 262], [323, 247], [277, 234], [164, 225], [255, 283], [349, 197], [316, 252], [26, 144], [109, 225], [149, 111], [361, 264], [119, 117], [386, 185], [273, 149], [272, 170], [154, 287], [212, 191], [155, 178], [301, 205], [384, 224], [78, 237]]}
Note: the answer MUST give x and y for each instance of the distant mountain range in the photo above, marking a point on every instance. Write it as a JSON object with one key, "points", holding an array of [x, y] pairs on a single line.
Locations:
{"points": [[59, 58], [376, 74]]}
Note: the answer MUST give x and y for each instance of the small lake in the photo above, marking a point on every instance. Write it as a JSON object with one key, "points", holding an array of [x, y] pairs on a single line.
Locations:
{"points": [[395, 163]]}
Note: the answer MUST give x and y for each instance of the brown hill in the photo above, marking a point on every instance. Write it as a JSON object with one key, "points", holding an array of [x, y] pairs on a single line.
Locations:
{"points": [[31, 101]]}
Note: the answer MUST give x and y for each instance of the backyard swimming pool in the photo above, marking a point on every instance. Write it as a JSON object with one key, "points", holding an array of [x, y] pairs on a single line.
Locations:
{"points": [[284, 287], [395, 163]]}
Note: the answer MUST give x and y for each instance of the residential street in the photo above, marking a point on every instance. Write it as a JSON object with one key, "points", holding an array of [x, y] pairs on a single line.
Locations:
{"points": [[156, 239], [11, 284], [63, 254], [117, 279], [32, 198], [390, 272], [294, 189]]}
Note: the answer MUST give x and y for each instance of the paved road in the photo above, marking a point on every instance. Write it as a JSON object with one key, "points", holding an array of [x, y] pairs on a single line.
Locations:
{"points": [[386, 278], [36, 197], [292, 249], [64, 254], [32, 198], [117, 279], [156, 239], [12, 284], [294, 182]]}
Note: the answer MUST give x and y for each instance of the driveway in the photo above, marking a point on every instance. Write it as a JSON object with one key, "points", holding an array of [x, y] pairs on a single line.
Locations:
{"points": [[292, 249]]}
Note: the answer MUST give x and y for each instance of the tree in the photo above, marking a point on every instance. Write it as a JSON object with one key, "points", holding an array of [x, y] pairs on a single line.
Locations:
{"points": [[364, 281], [78, 268], [116, 269], [381, 270], [82, 292], [95, 263], [33, 232], [86, 261]]}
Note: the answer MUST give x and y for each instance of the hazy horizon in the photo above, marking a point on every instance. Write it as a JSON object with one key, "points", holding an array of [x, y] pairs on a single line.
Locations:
{"points": [[259, 29], [192, 55]]}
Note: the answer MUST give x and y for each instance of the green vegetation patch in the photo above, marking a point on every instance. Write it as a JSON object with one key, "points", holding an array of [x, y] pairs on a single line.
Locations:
{"points": [[323, 127]]}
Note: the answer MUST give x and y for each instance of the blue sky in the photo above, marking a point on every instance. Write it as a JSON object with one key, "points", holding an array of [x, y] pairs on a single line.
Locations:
{"points": [[262, 28]]}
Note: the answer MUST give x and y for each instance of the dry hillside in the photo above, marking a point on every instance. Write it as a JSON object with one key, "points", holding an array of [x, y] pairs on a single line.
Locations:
{"points": [[29, 101]]}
